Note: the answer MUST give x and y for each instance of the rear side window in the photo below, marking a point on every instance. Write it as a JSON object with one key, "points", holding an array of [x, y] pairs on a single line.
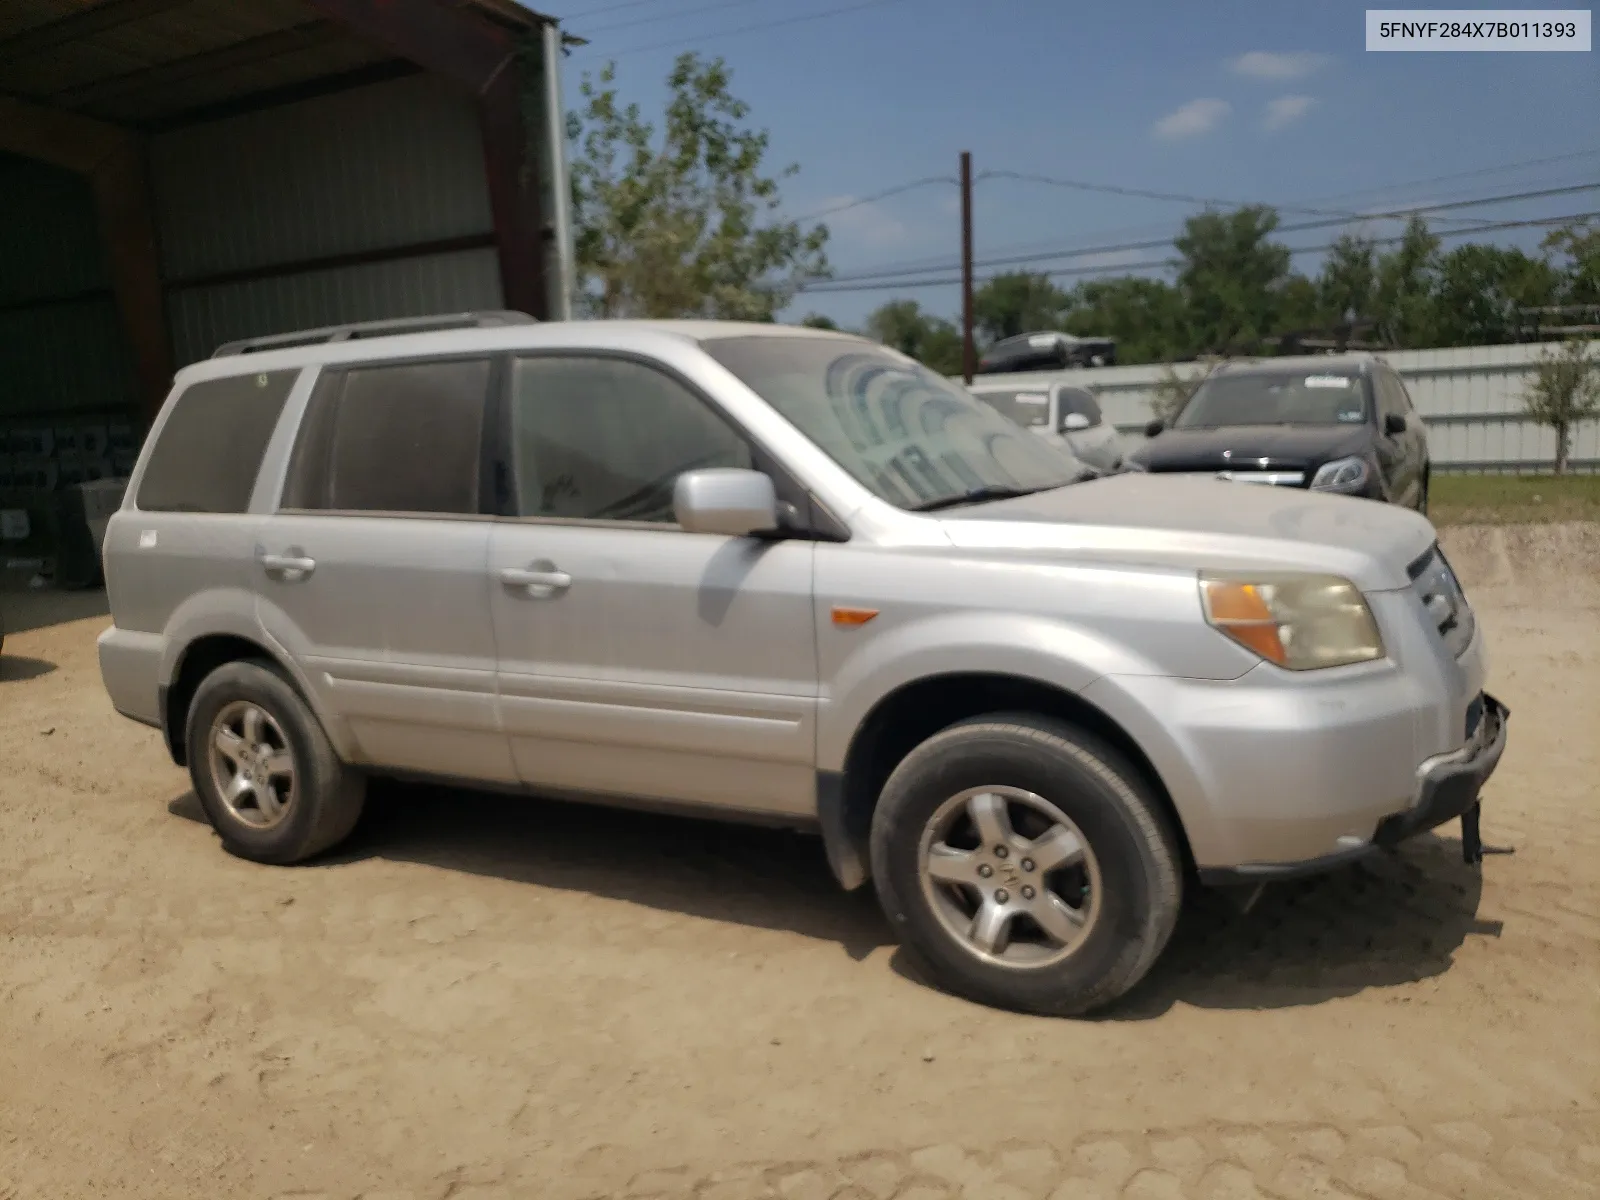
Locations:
{"points": [[210, 448], [403, 438], [1082, 402]]}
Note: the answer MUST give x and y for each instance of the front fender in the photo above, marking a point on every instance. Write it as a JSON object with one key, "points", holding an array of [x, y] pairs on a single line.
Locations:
{"points": [[1042, 649]]}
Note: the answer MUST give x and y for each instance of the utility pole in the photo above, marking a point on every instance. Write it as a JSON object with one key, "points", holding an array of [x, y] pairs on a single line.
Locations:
{"points": [[968, 352]]}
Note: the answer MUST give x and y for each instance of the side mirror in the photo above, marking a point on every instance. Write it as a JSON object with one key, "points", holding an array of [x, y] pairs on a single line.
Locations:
{"points": [[1154, 428], [1074, 422], [1394, 424], [725, 500]]}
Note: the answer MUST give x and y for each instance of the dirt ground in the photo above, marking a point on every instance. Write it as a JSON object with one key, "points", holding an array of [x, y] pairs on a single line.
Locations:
{"points": [[492, 998]]}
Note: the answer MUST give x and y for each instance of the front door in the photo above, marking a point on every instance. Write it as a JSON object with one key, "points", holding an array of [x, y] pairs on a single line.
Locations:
{"points": [[373, 572], [637, 659]]}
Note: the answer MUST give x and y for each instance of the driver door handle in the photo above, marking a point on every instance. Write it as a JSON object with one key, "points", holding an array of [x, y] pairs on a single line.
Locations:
{"points": [[539, 581], [289, 566]]}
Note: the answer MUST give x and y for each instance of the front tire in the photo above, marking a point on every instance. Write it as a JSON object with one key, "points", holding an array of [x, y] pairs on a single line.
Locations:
{"points": [[268, 778], [1026, 865]]}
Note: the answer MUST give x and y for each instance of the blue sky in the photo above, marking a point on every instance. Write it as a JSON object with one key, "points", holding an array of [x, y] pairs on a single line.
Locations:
{"points": [[1256, 100]]}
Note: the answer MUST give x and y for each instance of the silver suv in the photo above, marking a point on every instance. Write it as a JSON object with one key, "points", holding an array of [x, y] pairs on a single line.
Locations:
{"points": [[779, 574]]}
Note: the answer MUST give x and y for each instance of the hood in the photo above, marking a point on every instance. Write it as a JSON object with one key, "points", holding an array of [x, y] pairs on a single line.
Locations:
{"points": [[1201, 524], [1300, 447]]}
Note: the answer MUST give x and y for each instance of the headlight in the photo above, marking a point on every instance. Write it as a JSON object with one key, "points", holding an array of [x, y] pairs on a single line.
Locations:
{"points": [[1301, 622], [1342, 475]]}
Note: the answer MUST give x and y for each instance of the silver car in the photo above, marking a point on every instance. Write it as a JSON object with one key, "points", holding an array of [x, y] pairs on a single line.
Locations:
{"points": [[779, 574], [1065, 415]]}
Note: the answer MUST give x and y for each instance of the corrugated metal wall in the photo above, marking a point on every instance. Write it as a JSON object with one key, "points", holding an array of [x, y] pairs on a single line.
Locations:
{"points": [[392, 165], [61, 347], [1469, 398]]}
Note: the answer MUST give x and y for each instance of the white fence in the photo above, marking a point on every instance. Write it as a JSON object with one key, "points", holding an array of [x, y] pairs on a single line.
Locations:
{"points": [[1469, 398]]}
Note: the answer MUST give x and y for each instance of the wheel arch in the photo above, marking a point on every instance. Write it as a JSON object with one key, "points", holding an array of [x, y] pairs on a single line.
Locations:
{"points": [[198, 659], [918, 709]]}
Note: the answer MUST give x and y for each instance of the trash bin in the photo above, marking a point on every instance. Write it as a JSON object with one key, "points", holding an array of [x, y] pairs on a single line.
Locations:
{"points": [[85, 509]]}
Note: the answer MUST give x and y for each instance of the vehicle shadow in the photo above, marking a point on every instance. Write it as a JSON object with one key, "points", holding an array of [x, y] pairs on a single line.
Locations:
{"points": [[28, 609], [749, 875], [17, 668], [1394, 919]]}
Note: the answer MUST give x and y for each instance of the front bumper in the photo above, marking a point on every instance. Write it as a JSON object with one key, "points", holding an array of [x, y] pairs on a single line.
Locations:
{"points": [[1448, 786]]}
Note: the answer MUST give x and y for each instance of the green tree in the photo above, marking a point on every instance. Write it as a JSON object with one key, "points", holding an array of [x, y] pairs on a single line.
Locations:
{"points": [[1145, 316], [1403, 302], [1579, 244], [1015, 303], [818, 321], [1298, 305], [904, 326], [1565, 390], [1231, 276], [1480, 289], [1347, 285], [682, 225]]}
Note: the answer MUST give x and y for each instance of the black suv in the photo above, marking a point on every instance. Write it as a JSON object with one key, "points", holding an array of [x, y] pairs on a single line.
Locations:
{"points": [[1342, 425]]}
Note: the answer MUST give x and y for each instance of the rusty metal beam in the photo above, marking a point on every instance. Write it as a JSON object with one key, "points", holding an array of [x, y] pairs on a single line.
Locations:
{"points": [[113, 160], [108, 14], [226, 58], [448, 41], [514, 198]]}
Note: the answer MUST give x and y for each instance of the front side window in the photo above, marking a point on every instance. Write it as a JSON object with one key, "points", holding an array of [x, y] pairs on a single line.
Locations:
{"points": [[911, 437], [397, 438], [1082, 402], [1025, 406], [603, 439], [1276, 398], [211, 446]]}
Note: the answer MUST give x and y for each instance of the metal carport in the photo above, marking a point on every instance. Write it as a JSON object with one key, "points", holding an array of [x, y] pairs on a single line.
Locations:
{"points": [[177, 173]]}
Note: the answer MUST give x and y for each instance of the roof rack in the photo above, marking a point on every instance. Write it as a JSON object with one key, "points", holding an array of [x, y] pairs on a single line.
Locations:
{"points": [[373, 329]]}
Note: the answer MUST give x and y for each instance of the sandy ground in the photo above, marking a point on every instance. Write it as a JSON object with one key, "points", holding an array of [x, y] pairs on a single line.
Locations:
{"points": [[492, 998]]}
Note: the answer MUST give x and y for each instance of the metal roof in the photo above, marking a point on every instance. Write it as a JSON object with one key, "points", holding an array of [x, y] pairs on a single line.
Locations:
{"points": [[148, 63]]}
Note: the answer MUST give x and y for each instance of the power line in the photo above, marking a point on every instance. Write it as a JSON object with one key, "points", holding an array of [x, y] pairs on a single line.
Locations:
{"points": [[933, 263], [682, 12], [846, 206], [759, 27], [826, 286], [1157, 243], [595, 12]]}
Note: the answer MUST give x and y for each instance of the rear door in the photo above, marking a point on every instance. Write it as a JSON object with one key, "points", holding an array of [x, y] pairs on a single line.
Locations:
{"points": [[373, 570], [1395, 451], [638, 659]]}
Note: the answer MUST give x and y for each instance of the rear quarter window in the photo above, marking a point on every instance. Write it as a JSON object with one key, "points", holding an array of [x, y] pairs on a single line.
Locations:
{"points": [[209, 450]]}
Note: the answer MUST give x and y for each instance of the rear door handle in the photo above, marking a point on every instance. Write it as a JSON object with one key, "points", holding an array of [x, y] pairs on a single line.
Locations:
{"points": [[289, 566], [539, 584]]}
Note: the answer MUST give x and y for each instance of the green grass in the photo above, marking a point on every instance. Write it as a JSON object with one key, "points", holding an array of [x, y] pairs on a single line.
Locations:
{"points": [[1513, 499]]}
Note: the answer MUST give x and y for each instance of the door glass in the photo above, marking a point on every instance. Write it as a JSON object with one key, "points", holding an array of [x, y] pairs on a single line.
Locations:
{"points": [[1082, 402], [606, 439], [403, 438]]}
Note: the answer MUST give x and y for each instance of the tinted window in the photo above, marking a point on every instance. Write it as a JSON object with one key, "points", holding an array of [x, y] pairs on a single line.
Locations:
{"points": [[606, 439], [405, 438], [211, 446], [1077, 400], [908, 435], [1274, 398], [1025, 406]]}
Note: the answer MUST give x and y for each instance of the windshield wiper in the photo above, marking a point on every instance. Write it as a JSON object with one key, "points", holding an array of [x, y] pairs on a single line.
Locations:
{"points": [[989, 491]]}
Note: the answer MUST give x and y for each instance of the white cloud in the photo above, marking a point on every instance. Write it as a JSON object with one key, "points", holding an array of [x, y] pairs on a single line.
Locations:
{"points": [[1286, 110], [860, 224], [1193, 119], [1264, 64]]}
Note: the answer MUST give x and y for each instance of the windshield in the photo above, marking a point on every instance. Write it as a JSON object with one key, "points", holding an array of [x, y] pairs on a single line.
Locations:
{"points": [[1024, 407], [907, 434], [1298, 398]]}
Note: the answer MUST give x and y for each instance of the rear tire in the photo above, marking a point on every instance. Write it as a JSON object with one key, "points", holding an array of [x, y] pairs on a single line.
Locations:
{"points": [[1071, 896], [267, 776]]}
